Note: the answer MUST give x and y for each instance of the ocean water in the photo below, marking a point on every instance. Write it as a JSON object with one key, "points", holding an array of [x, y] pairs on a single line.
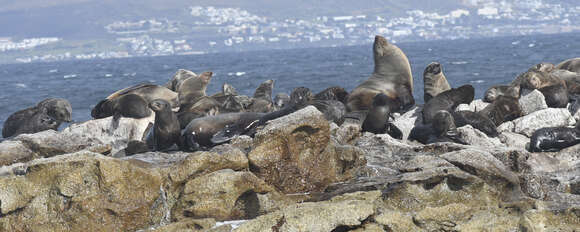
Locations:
{"points": [[479, 62]]}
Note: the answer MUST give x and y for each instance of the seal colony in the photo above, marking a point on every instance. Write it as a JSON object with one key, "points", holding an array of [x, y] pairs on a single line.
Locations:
{"points": [[188, 119]]}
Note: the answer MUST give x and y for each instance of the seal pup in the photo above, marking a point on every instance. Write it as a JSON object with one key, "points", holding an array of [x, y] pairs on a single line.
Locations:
{"points": [[447, 100], [178, 78], [442, 129], [166, 129], [553, 139], [336, 93], [477, 121], [377, 119], [503, 109], [434, 81], [193, 89], [262, 99], [147, 91], [501, 90], [129, 106], [572, 65], [391, 76], [45, 115]]}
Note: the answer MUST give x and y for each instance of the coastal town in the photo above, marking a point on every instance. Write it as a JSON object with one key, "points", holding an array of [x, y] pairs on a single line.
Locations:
{"points": [[211, 29]]}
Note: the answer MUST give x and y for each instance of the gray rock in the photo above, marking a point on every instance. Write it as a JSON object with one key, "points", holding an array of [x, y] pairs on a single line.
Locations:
{"points": [[477, 105], [464, 107], [408, 120], [15, 151], [481, 164], [532, 101], [551, 117], [477, 138], [514, 140]]}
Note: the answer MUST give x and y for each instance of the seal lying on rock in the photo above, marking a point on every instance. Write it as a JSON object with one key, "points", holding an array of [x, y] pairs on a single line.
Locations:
{"points": [[503, 109], [47, 114], [447, 100], [434, 82], [554, 138], [377, 120], [572, 65], [477, 121], [336, 93], [148, 92], [501, 90], [391, 76], [129, 106], [442, 129]]}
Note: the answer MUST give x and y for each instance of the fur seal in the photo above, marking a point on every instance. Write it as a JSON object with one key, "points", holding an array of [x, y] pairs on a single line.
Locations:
{"points": [[537, 80], [205, 106], [149, 92], [281, 100], [553, 139], [434, 81], [478, 121], [503, 109], [572, 80], [262, 99], [193, 89], [333, 110], [178, 78], [556, 95], [166, 129], [572, 65], [336, 93], [199, 132], [501, 90], [391, 76], [447, 100], [299, 98], [377, 120], [129, 106], [442, 129], [45, 115]]}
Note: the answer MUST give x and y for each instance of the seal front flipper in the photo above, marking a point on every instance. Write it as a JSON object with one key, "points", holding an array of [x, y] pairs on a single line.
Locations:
{"points": [[394, 131]]}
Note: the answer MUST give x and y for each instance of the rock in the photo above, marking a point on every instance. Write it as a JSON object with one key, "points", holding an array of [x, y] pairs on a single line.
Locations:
{"points": [[14, 152], [475, 137], [347, 133], [514, 140], [94, 135], [408, 120], [463, 107], [295, 154], [551, 117], [477, 105], [346, 211], [225, 195], [78, 192], [384, 154], [187, 225], [532, 101], [200, 163], [506, 127]]}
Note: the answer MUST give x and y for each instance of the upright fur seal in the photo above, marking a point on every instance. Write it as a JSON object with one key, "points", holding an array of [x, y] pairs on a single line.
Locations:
{"points": [[178, 78], [391, 76], [434, 81], [377, 120], [447, 100], [166, 129], [262, 99], [193, 89], [45, 115], [553, 139], [572, 65]]}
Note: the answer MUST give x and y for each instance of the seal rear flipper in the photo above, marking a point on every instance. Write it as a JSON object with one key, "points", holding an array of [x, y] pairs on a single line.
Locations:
{"points": [[226, 134]]}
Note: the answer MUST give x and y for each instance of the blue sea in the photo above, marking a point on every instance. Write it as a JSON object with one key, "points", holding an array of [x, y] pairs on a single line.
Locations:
{"points": [[479, 62]]}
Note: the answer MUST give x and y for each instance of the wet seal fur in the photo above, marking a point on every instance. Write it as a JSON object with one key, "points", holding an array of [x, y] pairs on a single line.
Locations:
{"points": [[377, 119], [553, 139], [442, 129], [502, 109], [166, 129], [391, 76], [434, 81], [447, 100], [45, 115]]}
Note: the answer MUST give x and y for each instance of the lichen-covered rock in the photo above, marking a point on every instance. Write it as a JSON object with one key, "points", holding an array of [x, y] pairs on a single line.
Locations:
{"points": [[225, 195], [15, 151], [295, 154], [475, 137], [551, 117], [408, 120], [532, 101], [347, 133], [514, 140], [80, 192], [187, 225], [349, 210]]}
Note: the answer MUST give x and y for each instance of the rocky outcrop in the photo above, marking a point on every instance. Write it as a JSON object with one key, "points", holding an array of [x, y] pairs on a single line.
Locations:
{"points": [[532, 101], [526, 125], [295, 153]]}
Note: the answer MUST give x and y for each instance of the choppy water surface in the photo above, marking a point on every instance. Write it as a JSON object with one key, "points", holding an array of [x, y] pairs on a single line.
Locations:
{"points": [[479, 62]]}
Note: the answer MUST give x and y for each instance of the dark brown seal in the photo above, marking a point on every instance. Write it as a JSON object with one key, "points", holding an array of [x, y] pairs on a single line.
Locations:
{"points": [[166, 129], [572, 65], [377, 120], [193, 89], [447, 100], [45, 115], [148, 92], [503, 109]]}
